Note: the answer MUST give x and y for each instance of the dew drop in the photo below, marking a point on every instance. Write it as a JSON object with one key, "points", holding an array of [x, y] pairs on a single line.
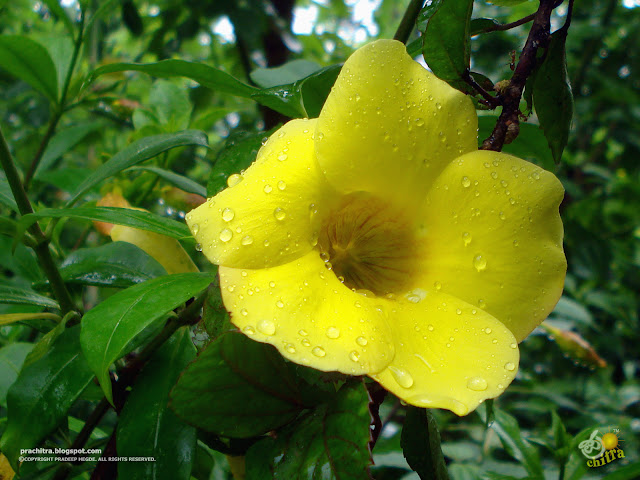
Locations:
{"points": [[318, 352], [510, 366], [282, 157], [228, 214], [266, 327], [280, 304], [198, 247], [289, 348], [458, 311], [226, 235], [267, 188], [279, 214], [244, 312], [487, 330], [272, 284], [502, 216], [479, 263], [361, 341], [438, 106], [430, 328], [437, 285], [404, 378], [232, 181], [354, 356], [419, 122], [466, 238], [357, 97], [249, 330], [514, 346], [477, 384], [281, 185], [305, 342], [194, 228], [333, 332], [466, 182], [247, 240]]}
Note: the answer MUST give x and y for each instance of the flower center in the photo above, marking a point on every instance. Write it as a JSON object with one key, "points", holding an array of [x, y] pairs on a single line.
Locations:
{"points": [[369, 244]]}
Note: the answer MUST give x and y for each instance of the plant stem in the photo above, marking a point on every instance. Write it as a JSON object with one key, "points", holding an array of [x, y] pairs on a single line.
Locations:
{"points": [[59, 109], [408, 21], [539, 36], [41, 246], [507, 26]]}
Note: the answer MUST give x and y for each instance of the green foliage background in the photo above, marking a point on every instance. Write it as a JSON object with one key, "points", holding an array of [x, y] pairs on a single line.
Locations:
{"points": [[562, 391]]}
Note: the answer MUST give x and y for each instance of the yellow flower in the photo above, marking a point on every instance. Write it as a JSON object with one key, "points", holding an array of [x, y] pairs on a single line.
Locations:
{"points": [[378, 240]]}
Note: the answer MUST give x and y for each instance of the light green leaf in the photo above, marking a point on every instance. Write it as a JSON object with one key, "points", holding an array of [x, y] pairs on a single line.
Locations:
{"points": [[284, 74], [108, 328], [180, 181]]}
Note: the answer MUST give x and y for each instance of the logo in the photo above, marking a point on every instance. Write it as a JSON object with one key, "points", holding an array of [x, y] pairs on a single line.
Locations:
{"points": [[601, 450]]}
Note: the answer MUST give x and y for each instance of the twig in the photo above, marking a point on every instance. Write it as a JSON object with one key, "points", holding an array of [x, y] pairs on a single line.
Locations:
{"points": [[41, 246], [408, 20], [538, 38], [492, 101], [497, 27]]}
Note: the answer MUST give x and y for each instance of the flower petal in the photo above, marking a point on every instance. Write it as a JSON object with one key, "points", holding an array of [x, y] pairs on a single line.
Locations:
{"points": [[389, 126], [309, 316], [166, 250], [449, 354], [493, 237], [273, 214]]}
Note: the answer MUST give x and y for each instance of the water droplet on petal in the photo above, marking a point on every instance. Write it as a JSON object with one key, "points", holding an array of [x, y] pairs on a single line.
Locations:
{"points": [[404, 378], [477, 384], [226, 235], [459, 311], [466, 238], [266, 327], [487, 330], [228, 214], [479, 263], [232, 181], [514, 346], [430, 328], [244, 312], [333, 332], [303, 333], [280, 304], [279, 213], [267, 188], [282, 185], [318, 352], [354, 356], [247, 240], [272, 284], [289, 348], [466, 182], [361, 341], [305, 342], [437, 285], [282, 157], [510, 366], [248, 330], [198, 247], [194, 228]]}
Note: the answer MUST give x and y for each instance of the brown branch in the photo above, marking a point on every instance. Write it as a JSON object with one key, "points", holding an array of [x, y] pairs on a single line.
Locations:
{"points": [[491, 101], [509, 120], [497, 27]]}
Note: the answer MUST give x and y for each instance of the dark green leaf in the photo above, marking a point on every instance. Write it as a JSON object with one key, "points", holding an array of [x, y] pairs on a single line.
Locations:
{"points": [[21, 296], [508, 430], [6, 195], [284, 99], [552, 97], [426, 13], [284, 74], [179, 181], [330, 442], [63, 141], [205, 75], [237, 388], [628, 472], [11, 359], [316, 87], [118, 216], [29, 61], [215, 317], [240, 151], [148, 428], [108, 328], [421, 444], [43, 393], [8, 227], [447, 43], [138, 152], [117, 264], [171, 105], [482, 25]]}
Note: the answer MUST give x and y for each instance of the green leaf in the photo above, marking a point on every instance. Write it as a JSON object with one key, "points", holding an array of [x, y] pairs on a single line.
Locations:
{"points": [[21, 296], [148, 428], [316, 87], [284, 99], [330, 442], [215, 318], [179, 181], [508, 430], [628, 472], [138, 152], [237, 388], [117, 264], [108, 328], [60, 50], [58, 11], [552, 97], [42, 394], [289, 72], [63, 141], [11, 359], [482, 25], [118, 216], [239, 152], [426, 13], [8, 226], [447, 43], [170, 104], [29, 61], [421, 444], [205, 75], [6, 195]]}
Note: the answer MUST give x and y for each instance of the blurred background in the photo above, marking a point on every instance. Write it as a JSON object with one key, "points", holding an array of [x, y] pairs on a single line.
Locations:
{"points": [[583, 364]]}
